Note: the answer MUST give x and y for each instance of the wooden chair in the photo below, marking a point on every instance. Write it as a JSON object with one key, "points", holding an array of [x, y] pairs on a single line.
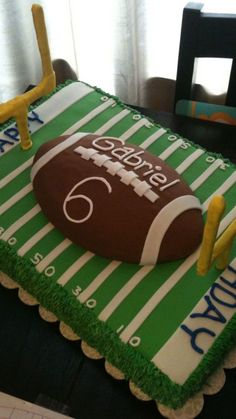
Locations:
{"points": [[204, 35]]}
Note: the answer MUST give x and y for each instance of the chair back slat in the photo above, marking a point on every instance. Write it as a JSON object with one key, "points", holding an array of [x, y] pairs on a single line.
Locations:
{"points": [[208, 35]]}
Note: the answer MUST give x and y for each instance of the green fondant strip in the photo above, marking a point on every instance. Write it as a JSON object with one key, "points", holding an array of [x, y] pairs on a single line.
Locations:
{"points": [[29, 229], [86, 274], [14, 186], [97, 334]]}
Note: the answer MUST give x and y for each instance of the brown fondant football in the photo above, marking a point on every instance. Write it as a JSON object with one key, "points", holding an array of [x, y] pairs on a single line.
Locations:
{"points": [[116, 200]]}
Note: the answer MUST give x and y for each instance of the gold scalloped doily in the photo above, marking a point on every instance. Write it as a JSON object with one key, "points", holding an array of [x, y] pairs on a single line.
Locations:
{"points": [[191, 408]]}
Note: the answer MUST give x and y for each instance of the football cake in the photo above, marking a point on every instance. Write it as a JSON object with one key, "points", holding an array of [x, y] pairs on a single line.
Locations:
{"points": [[101, 224], [114, 306]]}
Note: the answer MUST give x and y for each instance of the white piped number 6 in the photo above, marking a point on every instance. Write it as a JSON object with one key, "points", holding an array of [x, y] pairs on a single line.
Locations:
{"points": [[71, 197]]}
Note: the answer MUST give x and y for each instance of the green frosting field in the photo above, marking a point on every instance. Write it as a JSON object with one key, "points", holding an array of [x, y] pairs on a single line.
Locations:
{"points": [[100, 313]]}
